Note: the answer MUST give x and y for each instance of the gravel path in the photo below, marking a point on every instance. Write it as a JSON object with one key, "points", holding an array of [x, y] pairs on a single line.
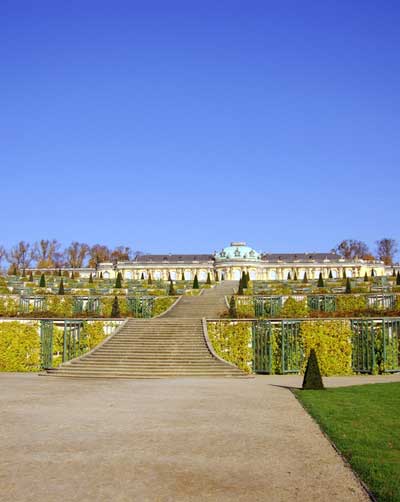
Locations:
{"points": [[163, 440]]}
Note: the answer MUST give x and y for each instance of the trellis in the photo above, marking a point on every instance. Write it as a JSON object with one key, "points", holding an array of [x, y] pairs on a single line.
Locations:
{"points": [[140, 306], [267, 306], [324, 303], [38, 304], [86, 304], [46, 344], [382, 301], [72, 340]]}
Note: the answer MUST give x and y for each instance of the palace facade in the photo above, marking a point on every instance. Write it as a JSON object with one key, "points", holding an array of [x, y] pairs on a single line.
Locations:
{"points": [[235, 259]]}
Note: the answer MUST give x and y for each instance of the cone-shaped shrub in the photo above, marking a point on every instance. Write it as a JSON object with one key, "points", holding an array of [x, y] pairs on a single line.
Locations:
{"points": [[372, 273], [61, 287], [330, 274], [312, 376], [244, 280], [305, 280], [183, 276], [248, 278], [320, 283], [348, 286], [398, 279], [208, 281], [149, 280], [101, 275], [289, 276], [393, 273], [240, 288], [232, 308], [344, 274], [171, 290], [222, 277], [90, 279], [59, 272], [195, 282], [118, 281], [42, 282], [365, 277], [295, 276], [216, 277], [30, 276], [115, 308], [169, 277], [142, 277]]}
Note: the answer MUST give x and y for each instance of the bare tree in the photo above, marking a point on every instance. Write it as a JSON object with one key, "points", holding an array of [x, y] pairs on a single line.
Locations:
{"points": [[386, 249], [351, 249], [99, 253], [20, 255], [47, 253], [76, 254]]}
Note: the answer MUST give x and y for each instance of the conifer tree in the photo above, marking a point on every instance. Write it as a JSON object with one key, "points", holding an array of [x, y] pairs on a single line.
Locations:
{"points": [[365, 277], [244, 280], [398, 278], [169, 276], [118, 282], [305, 280], [30, 276], [171, 290], [222, 277], [208, 281], [216, 277], [61, 287], [330, 274], [42, 282], [248, 277], [289, 276], [348, 286], [195, 282], [142, 277], [295, 276], [59, 272], [115, 308], [90, 279], [240, 289], [312, 376], [344, 274], [320, 283], [393, 273], [149, 279], [101, 275], [232, 308], [372, 273], [183, 276]]}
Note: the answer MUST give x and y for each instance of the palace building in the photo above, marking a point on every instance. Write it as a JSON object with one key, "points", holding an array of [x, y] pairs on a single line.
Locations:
{"points": [[235, 259]]}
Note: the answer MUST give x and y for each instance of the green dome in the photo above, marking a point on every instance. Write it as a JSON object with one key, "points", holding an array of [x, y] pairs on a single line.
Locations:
{"points": [[238, 251]]}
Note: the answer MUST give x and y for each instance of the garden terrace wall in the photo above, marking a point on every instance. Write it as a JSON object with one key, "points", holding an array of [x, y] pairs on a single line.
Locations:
{"points": [[343, 346], [29, 345]]}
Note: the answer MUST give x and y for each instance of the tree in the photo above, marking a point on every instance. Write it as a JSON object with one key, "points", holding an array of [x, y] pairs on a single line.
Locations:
{"points": [[232, 308], [244, 280], [398, 279], [305, 280], [344, 274], [289, 276], [372, 273], [98, 253], [72, 275], [348, 286], [240, 288], [59, 272], [149, 279], [386, 249], [90, 279], [61, 287], [30, 276], [47, 253], [76, 253], [101, 275], [295, 276], [208, 281], [118, 282], [330, 274], [115, 308], [42, 282], [216, 277], [171, 291], [320, 283], [183, 276], [393, 273], [142, 277], [121, 253], [351, 249], [312, 376], [365, 277], [20, 255], [195, 282]]}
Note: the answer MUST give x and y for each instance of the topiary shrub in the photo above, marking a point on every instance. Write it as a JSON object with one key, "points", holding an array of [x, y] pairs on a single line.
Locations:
{"points": [[42, 282], [118, 281], [232, 308], [171, 290], [348, 286], [320, 283], [61, 288], [195, 282], [208, 281], [115, 312], [312, 376]]}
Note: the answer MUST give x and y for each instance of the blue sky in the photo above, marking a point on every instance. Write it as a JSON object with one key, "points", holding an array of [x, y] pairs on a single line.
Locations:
{"points": [[180, 126]]}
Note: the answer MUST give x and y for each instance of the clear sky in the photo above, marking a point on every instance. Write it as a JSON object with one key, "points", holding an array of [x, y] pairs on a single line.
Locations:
{"points": [[182, 125]]}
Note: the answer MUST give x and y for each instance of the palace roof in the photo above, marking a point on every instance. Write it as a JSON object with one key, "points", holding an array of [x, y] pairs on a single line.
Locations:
{"points": [[302, 257], [173, 258]]}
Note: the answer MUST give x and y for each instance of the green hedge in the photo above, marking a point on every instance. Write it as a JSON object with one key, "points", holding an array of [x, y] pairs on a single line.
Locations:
{"points": [[232, 342], [19, 346]]}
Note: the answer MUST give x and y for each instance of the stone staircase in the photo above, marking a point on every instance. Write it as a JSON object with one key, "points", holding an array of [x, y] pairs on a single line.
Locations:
{"points": [[172, 345]]}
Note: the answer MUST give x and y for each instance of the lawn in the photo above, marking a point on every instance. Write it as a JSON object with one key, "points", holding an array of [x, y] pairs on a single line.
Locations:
{"points": [[364, 424]]}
